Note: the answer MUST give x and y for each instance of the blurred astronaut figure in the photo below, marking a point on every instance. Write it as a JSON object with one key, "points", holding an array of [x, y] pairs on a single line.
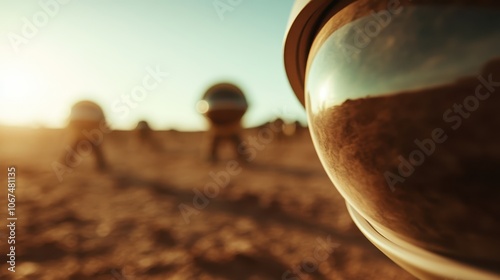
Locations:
{"points": [[278, 126], [298, 128], [143, 132], [145, 137], [224, 105], [87, 127], [289, 129], [283, 129]]}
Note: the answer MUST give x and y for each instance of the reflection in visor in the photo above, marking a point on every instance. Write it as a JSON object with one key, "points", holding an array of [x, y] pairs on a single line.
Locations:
{"points": [[404, 118], [422, 46]]}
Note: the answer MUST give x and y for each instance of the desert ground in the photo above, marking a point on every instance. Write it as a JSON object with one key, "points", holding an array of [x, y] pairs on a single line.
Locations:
{"points": [[277, 212]]}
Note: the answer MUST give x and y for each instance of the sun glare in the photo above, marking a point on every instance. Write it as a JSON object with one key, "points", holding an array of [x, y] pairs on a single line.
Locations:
{"points": [[17, 85], [21, 92]]}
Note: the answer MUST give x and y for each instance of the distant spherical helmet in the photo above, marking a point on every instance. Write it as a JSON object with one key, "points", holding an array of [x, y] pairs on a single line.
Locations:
{"points": [[403, 115], [86, 114], [223, 103]]}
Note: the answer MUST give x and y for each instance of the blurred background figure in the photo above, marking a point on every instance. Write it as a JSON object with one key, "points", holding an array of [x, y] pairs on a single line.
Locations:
{"points": [[298, 128], [289, 129], [145, 137], [278, 125], [286, 128], [283, 129], [87, 126], [143, 128], [224, 105]]}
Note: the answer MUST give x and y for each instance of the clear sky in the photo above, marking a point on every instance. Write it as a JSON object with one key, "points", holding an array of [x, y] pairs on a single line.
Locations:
{"points": [[56, 54]]}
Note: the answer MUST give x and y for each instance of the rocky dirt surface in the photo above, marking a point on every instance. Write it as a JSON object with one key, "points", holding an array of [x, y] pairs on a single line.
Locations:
{"points": [[277, 213]]}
